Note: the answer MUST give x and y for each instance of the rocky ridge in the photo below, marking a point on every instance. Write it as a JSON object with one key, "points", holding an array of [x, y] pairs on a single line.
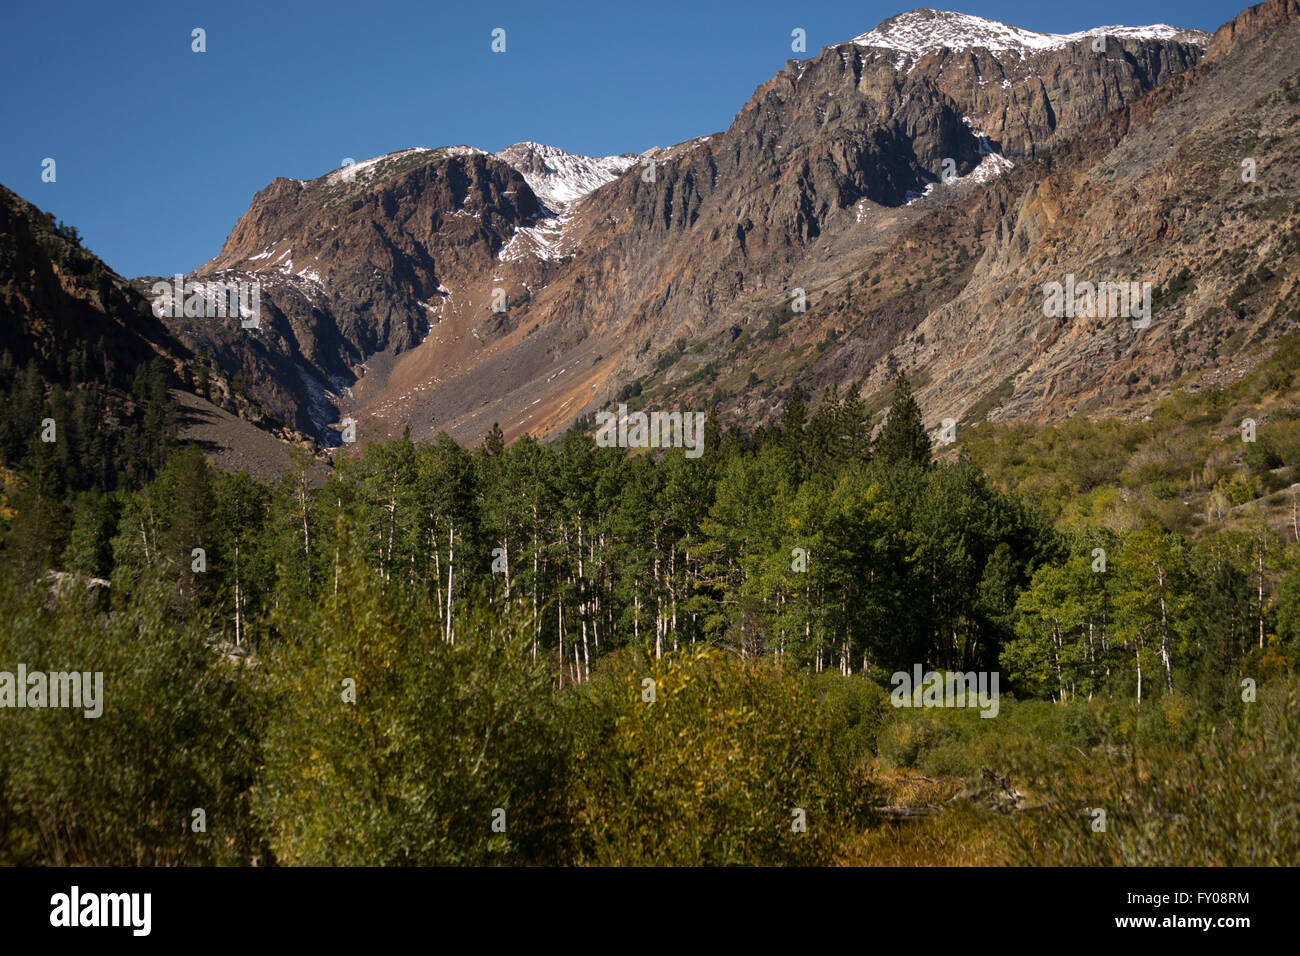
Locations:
{"points": [[672, 271]]}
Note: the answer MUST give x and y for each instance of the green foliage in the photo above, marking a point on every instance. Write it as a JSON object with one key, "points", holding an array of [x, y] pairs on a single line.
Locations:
{"points": [[1225, 797], [85, 455], [857, 709], [499, 608], [177, 732], [903, 439], [903, 742], [439, 737], [1262, 456], [1122, 474], [712, 771]]}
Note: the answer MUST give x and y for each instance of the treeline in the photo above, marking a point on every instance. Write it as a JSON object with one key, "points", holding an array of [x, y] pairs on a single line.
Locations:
{"points": [[807, 543], [551, 654]]}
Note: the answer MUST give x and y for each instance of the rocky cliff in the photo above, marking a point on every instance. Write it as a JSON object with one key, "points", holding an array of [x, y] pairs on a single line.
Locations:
{"points": [[919, 184]]}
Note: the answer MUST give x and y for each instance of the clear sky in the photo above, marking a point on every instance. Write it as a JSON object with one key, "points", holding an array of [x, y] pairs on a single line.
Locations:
{"points": [[159, 149]]}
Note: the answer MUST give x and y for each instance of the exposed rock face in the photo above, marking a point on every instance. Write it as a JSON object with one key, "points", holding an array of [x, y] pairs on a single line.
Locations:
{"points": [[353, 265], [1250, 23], [1150, 192], [60, 306], [674, 270]]}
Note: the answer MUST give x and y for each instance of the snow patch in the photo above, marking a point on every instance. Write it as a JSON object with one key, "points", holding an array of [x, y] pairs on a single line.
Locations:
{"points": [[913, 35], [543, 241], [992, 164], [560, 181], [558, 178]]}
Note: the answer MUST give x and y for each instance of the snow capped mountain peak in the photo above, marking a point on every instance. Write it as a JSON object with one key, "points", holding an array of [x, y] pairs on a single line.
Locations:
{"points": [[918, 32], [558, 178]]}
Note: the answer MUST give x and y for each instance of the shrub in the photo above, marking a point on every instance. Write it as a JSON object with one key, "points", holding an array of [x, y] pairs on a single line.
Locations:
{"points": [[713, 769], [907, 740], [1163, 490], [1262, 456], [858, 709], [441, 737], [176, 733], [1227, 798]]}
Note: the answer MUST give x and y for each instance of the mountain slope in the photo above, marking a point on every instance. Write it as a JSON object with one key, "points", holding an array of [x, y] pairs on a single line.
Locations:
{"points": [[361, 266], [1165, 204], [1142, 193], [82, 343], [61, 307], [920, 183]]}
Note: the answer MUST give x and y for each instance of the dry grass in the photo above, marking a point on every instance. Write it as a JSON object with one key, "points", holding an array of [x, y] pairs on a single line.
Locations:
{"points": [[961, 835]]}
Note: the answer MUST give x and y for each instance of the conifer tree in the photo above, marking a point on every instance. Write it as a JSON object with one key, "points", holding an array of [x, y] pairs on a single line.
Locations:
{"points": [[903, 438]]}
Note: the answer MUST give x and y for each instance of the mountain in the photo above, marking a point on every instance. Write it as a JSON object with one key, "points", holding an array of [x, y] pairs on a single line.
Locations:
{"points": [[919, 33], [1022, 87], [920, 183], [63, 309], [82, 344], [362, 265], [1153, 192]]}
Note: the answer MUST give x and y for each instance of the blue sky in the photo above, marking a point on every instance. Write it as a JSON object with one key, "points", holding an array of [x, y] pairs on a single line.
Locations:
{"points": [[159, 149]]}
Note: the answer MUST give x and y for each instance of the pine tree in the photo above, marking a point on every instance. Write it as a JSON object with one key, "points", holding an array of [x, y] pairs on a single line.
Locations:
{"points": [[494, 443], [903, 438]]}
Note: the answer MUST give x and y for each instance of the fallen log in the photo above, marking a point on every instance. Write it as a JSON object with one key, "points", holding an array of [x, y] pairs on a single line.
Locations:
{"points": [[908, 813]]}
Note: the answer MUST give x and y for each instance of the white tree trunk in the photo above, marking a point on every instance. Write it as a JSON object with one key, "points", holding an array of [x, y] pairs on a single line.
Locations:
{"points": [[451, 567]]}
